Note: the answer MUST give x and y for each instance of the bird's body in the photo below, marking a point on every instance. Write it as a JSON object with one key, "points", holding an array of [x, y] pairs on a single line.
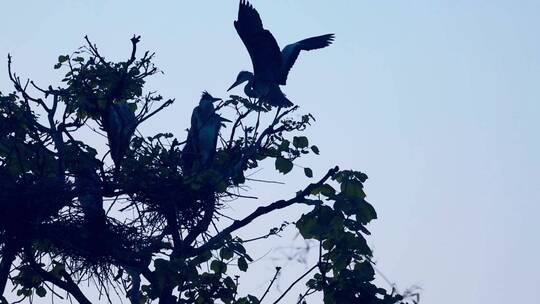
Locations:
{"points": [[203, 134], [119, 122], [270, 65]]}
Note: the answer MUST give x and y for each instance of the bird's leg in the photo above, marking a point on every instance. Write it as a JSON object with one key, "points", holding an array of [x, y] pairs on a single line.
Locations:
{"points": [[257, 125], [277, 114]]}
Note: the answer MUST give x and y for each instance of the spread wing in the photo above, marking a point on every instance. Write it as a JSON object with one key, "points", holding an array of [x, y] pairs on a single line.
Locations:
{"points": [[290, 53], [260, 43]]}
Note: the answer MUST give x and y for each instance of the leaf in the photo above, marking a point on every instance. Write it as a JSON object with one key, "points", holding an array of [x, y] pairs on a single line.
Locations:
{"points": [[284, 145], [57, 66], [253, 299], [300, 142], [229, 283], [238, 246], [41, 292], [325, 190], [283, 165], [307, 226], [315, 149], [308, 172], [218, 266], [365, 213], [353, 189], [226, 253], [63, 58], [242, 264], [364, 272]]}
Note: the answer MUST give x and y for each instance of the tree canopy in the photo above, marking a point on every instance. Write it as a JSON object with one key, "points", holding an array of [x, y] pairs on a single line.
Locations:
{"points": [[136, 217]]}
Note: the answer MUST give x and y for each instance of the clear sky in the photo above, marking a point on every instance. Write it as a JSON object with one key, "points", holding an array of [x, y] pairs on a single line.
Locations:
{"points": [[437, 101]]}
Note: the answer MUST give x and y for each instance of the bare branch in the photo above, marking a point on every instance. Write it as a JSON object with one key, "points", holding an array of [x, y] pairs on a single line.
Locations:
{"points": [[134, 42], [294, 283], [164, 105], [94, 51], [278, 269], [211, 244]]}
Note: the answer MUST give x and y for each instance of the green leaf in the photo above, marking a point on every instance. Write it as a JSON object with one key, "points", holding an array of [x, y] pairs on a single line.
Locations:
{"points": [[283, 165], [352, 188], [218, 266], [365, 213], [308, 172], [226, 253], [300, 142], [63, 58], [307, 226], [315, 149], [229, 283], [41, 292], [364, 271], [253, 299], [242, 264], [57, 66], [325, 190], [284, 145]]}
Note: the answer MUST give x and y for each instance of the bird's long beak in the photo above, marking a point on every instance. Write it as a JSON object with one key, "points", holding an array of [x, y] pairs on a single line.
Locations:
{"points": [[214, 99], [233, 85]]}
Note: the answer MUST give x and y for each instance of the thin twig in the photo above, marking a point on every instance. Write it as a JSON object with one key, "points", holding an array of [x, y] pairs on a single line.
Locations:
{"points": [[278, 269], [294, 283]]}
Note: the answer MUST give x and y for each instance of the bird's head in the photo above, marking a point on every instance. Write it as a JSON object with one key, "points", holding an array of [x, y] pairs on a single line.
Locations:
{"points": [[242, 77], [206, 98]]}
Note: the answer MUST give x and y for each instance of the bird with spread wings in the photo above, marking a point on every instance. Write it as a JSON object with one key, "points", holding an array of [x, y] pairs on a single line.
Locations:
{"points": [[271, 66]]}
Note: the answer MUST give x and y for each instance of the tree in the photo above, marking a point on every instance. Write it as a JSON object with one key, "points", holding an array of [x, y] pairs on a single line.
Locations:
{"points": [[133, 219]]}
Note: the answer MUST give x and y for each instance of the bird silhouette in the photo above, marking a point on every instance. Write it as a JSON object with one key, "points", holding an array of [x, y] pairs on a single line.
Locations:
{"points": [[271, 66], [119, 122], [200, 147]]}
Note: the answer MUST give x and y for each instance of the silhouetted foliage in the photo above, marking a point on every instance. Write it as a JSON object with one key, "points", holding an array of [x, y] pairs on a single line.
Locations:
{"points": [[135, 219]]}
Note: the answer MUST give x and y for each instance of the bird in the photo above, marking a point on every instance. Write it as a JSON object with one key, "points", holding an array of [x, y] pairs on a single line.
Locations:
{"points": [[200, 147], [271, 66], [119, 122]]}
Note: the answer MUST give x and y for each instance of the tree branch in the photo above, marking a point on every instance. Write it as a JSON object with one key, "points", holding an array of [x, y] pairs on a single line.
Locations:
{"points": [[211, 244], [164, 105], [278, 269], [134, 42], [68, 285], [294, 283]]}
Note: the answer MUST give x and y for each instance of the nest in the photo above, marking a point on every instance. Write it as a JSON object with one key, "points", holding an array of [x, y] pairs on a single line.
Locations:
{"points": [[27, 203], [175, 195], [85, 247]]}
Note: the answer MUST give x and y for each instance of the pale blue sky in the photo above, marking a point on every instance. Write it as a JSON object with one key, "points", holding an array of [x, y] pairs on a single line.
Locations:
{"points": [[437, 101]]}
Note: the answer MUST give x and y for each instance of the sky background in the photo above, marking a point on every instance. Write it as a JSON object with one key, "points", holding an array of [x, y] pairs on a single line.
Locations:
{"points": [[437, 101]]}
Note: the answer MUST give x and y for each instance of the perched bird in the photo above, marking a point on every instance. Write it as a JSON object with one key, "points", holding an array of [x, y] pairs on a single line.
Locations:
{"points": [[203, 134], [119, 122], [88, 185], [270, 65]]}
